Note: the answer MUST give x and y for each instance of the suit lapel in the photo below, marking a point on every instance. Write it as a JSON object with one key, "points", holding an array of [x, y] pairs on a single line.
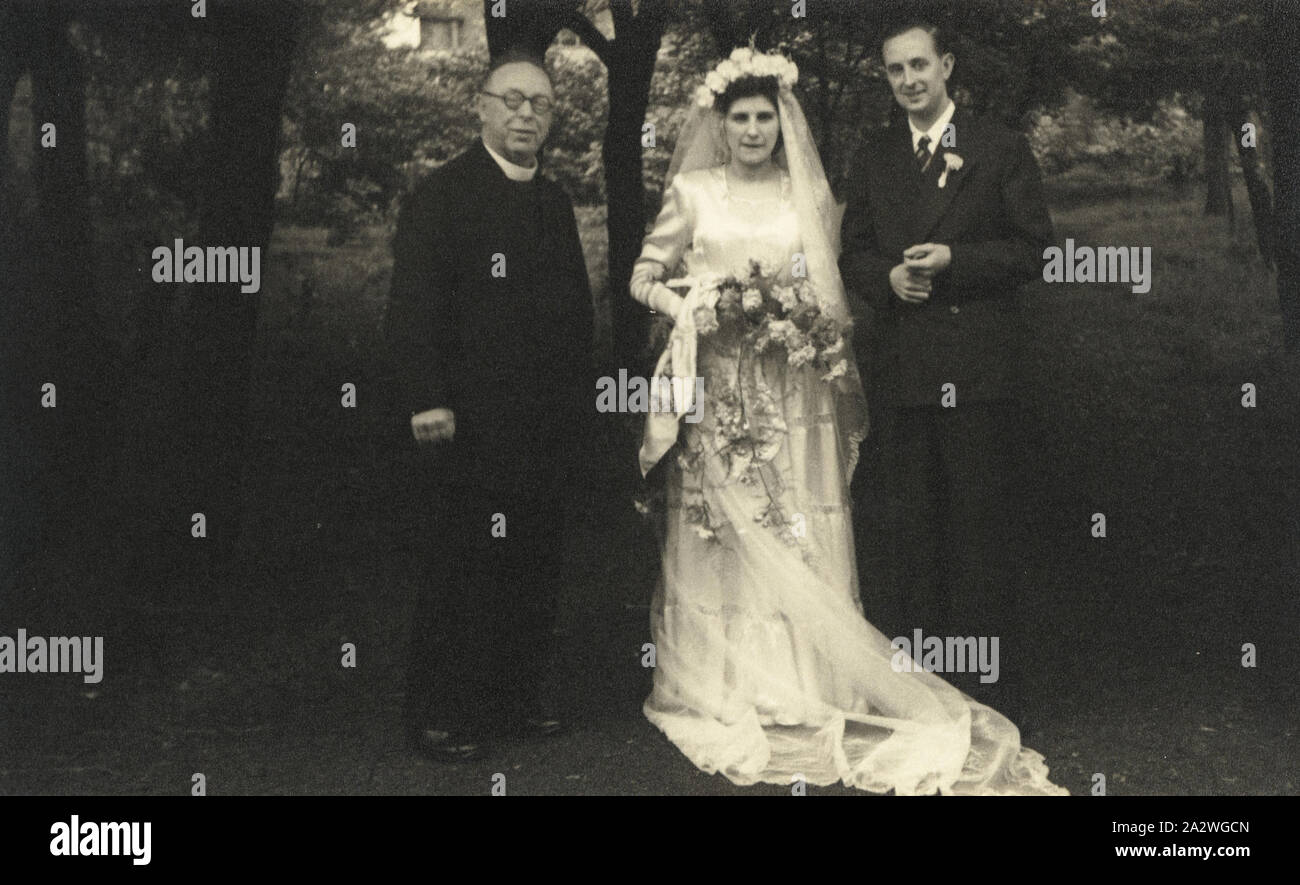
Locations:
{"points": [[911, 170], [902, 181], [941, 198]]}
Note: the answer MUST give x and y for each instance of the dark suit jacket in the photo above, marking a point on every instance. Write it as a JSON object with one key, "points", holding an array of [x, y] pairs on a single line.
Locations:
{"points": [[491, 316], [991, 214]]}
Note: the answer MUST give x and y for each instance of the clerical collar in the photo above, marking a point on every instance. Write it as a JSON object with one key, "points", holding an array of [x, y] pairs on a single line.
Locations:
{"points": [[513, 171], [936, 131]]}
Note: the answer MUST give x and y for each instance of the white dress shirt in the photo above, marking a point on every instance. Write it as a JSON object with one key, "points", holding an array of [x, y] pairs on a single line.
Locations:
{"points": [[935, 132]]}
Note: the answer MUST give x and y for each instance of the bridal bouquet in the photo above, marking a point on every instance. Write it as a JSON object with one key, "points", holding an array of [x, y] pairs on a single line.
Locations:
{"points": [[758, 311], [754, 314], [749, 315]]}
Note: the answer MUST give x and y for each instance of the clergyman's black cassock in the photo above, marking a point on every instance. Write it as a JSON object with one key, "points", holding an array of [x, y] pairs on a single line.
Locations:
{"points": [[953, 491], [490, 316]]}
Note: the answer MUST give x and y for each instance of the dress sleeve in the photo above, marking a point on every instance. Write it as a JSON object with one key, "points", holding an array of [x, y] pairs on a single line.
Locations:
{"points": [[663, 248]]}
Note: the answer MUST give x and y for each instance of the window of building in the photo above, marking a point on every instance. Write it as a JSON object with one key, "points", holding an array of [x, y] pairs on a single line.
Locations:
{"points": [[440, 33]]}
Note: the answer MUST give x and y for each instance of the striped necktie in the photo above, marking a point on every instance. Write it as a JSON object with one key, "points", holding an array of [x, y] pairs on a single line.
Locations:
{"points": [[923, 155]]}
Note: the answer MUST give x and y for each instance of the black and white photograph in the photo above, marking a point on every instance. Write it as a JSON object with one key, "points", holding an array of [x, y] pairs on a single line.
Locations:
{"points": [[448, 398]]}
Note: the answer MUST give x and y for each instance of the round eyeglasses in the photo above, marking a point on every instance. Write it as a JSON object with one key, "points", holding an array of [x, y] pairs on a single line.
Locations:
{"points": [[514, 99]]}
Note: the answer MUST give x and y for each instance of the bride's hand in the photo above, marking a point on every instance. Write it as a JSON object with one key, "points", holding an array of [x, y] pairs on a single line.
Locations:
{"points": [[668, 302], [677, 310]]}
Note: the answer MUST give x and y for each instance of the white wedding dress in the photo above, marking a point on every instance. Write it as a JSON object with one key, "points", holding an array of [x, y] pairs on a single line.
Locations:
{"points": [[766, 669]]}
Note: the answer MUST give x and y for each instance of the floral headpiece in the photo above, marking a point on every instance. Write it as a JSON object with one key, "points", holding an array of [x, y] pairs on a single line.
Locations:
{"points": [[746, 62]]}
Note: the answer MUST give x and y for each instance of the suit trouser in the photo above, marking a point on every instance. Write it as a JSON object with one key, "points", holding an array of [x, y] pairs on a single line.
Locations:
{"points": [[957, 507], [482, 642]]}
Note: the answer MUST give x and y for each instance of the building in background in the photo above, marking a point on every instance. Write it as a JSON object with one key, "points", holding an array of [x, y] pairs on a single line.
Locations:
{"points": [[430, 26]]}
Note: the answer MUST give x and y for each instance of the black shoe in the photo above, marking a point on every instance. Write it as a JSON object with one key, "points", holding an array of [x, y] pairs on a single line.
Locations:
{"points": [[446, 746], [539, 726]]}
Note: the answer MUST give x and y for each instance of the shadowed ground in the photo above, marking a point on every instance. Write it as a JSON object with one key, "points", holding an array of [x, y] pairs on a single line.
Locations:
{"points": [[235, 671]]}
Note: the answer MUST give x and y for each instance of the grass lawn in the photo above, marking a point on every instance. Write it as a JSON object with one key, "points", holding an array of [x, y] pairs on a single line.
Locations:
{"points": [[1138, 673]]}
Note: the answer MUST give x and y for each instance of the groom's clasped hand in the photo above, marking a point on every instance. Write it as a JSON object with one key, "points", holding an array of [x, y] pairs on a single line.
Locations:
{"points": [[913, 279]]}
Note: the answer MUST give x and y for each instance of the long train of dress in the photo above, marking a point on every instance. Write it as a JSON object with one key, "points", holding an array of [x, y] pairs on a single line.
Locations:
{"points": [[766, 669]]}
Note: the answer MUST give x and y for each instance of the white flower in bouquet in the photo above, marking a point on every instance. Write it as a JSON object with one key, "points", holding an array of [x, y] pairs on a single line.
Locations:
{"points": [[706, 320], [786, 296], [802, 356], [741, 457], [709, 283], [781, 330], [837, 370], [751, 299]]}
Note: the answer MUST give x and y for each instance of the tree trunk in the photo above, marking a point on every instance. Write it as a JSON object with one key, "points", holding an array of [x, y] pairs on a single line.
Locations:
{"points": [[14, 43], [1283, 88], [1218, 192], [732, 23], [11, 70], [59, 98], [19, 455], [62, 342], [1261, 201], [631, 67], [250, 67], [629, 90], [530, 25]]}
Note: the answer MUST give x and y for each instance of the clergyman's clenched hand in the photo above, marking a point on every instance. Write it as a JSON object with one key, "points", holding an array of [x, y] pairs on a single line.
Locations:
{"points": [[434, 425]]}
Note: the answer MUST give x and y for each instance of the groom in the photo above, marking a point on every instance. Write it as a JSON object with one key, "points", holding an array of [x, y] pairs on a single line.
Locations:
{"points": [[490, 332], [944, 221]]}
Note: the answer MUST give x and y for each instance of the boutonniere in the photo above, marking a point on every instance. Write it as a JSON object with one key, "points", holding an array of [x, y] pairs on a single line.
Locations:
{"points": [[951, 163]]}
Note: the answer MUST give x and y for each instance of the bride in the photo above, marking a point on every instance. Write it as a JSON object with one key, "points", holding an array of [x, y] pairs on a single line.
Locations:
{"points": [[766, 669]]}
